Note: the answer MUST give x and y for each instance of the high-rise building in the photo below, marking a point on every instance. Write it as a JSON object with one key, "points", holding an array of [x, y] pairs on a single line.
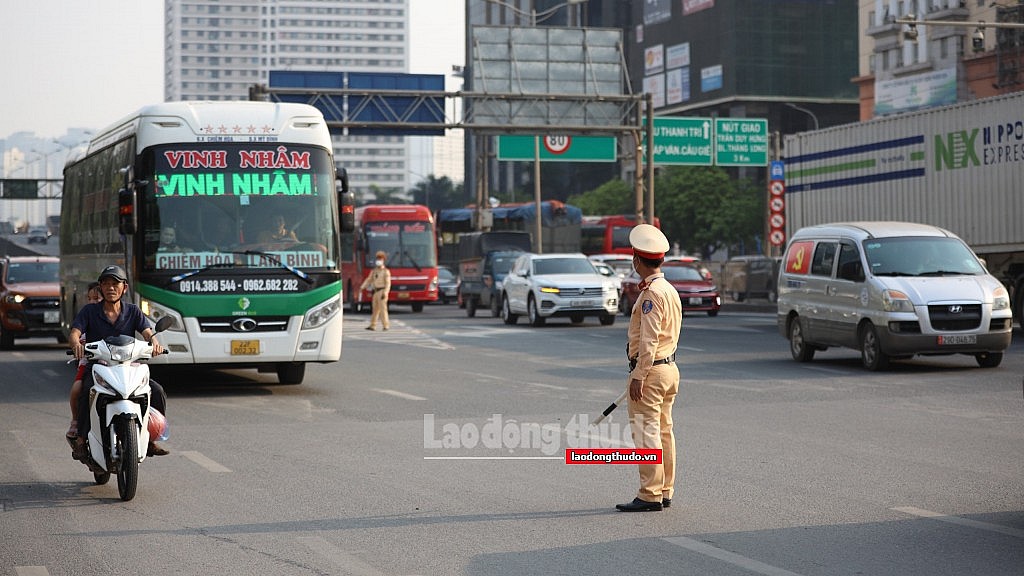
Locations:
{"points": [[218, 49]]}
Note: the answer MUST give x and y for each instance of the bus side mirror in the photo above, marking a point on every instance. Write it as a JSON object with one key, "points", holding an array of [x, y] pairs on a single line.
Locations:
{"points": [[126, 204], [346, 203]]}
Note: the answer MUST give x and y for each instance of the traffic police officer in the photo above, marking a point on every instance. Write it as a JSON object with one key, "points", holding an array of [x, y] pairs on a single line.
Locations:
{"points": [[379, 280], [653, 377]]}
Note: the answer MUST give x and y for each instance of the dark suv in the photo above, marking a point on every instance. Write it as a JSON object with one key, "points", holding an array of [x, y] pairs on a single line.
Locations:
{"points": [[29, 299]]}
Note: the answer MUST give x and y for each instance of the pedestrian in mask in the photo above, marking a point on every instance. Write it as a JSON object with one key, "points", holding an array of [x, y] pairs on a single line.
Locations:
{"points": [[379, 280]]}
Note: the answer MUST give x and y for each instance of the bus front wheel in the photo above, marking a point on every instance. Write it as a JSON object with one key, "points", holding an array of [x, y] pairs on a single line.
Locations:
{"points": [[291, 372]]}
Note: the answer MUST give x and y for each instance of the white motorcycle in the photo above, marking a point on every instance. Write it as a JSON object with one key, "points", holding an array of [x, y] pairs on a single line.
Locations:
{"points": [[119, 414]]}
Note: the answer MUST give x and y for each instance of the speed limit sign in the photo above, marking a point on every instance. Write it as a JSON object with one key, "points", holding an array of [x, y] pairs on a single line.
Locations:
{"points": [[557, 144]]}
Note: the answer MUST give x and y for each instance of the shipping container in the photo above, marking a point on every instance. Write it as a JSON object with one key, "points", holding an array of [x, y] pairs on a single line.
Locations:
{"points": [[958, 167]]}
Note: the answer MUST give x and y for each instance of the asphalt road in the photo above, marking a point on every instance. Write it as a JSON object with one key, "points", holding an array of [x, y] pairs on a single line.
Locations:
{"points": [[370, 467]]}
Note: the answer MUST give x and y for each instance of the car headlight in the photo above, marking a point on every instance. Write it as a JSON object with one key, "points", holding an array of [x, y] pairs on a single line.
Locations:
{"points": [[321, 314], [1000, 299], [16, 298], [156, 311], [549, 290], [896, 301]]}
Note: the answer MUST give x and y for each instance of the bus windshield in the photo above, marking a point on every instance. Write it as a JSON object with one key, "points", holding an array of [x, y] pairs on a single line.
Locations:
{"points": [[209, 204], [409, 244]]}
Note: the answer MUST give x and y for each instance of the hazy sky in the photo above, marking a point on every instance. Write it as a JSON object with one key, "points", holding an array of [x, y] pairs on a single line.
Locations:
{"points": [[86, 63]]}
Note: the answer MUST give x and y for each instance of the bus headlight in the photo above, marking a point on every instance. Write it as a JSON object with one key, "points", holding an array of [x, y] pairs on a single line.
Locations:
{"points": [[155, 311], [319, 316]]}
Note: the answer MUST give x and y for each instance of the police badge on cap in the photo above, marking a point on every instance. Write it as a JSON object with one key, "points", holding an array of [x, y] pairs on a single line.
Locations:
{"points": [[648, 242]]}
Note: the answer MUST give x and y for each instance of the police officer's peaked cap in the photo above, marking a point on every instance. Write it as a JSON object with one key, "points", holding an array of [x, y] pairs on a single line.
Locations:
{"points": [[648, 242], [115, 272]]}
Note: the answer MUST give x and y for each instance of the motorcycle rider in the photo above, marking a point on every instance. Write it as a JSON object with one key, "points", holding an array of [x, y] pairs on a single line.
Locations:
{"points": [[111, 317]]}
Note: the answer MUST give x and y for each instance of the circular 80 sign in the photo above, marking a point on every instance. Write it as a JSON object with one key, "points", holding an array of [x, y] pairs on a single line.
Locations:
{"points": [[557, 144]]}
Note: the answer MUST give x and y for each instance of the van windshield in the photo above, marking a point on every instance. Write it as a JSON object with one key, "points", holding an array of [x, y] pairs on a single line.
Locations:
{"points": [[920, 256]]}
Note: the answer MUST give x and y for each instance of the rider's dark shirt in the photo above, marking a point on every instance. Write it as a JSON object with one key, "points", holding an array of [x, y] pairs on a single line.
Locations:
{"points": [[93, 322]]}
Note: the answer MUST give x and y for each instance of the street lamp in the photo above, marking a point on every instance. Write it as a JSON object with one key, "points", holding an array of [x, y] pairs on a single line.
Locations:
{"points": [[535, 16], [805, 111]]}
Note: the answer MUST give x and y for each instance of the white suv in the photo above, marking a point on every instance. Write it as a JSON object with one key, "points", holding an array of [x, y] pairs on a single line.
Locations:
{"points": [[548, 285]]}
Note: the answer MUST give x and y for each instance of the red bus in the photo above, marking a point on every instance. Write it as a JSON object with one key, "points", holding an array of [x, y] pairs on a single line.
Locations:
{"points": [[608, 234], [407, 233]]}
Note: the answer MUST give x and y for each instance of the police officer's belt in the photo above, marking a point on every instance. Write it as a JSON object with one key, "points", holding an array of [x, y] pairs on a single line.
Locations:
{"points": [[669, 360]]}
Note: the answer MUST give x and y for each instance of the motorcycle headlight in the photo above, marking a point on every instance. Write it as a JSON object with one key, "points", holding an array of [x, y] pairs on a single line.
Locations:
{"points": [[121, 353], [97, 379], [319, 315]]}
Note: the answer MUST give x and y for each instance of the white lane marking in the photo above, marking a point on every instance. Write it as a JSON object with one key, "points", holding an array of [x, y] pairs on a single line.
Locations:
{"points": [[690, 348], [49, 373], [346, 561], [203, 461], [729, 557], [827, 370], [399, 333], [397, 394], [1015, 532], [31, 571]]}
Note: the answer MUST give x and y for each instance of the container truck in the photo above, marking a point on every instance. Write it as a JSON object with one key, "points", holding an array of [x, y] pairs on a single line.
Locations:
{"points": [[959, 167]]}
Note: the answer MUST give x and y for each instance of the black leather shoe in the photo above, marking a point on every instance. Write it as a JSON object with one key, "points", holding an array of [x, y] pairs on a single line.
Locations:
{"points": [[638, 505], [666, 502]]}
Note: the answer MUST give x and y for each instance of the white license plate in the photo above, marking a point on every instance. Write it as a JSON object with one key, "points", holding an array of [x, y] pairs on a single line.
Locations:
{"points": [[958, 339], [583, 303], [51, 316], [696, 301]]}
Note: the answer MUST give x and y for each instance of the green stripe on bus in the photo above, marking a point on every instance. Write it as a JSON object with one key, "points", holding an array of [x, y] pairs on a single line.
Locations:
{"points": [[273, 304], [832, 169]]}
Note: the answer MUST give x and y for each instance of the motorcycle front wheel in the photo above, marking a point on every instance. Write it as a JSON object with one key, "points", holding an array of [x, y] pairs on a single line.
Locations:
{"points": [[128, 452]]}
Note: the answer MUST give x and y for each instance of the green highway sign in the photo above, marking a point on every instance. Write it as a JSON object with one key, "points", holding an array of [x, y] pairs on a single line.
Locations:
{"points": [[557, 148], [741, 142], [19, 188], [683, 141]]}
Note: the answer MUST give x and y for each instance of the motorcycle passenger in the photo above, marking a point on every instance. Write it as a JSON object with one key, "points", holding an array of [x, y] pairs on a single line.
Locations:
{"points": [[111, 317]]}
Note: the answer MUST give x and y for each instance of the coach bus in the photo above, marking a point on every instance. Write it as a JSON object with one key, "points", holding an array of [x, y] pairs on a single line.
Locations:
{"points": [[608, 234], [406, 232], [227, 217]]}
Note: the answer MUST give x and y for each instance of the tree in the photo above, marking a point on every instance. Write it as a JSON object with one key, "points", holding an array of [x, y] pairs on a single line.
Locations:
{"points": [[704, 210], [612, 197], [383, 196], [437, 193]]}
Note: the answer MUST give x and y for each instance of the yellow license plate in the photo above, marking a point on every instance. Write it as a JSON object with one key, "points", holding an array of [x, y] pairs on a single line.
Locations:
{"points": [[403, 295], [245, 347]]}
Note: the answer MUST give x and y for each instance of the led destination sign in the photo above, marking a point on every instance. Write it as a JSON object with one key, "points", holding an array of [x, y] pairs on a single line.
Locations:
{"points": [[240, 172]]}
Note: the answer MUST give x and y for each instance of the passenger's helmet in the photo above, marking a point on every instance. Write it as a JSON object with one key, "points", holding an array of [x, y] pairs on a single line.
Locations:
{"points": [[115, 272]]}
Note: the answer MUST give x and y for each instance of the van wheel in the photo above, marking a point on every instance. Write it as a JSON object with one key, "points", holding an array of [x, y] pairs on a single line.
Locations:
{"points": [[989, 359], [801, 350], [738, 296], [871, 349], [470, 306]]}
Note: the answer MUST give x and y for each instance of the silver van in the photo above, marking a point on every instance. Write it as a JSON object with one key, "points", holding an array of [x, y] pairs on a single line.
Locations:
{"points": [[890, 290]]}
